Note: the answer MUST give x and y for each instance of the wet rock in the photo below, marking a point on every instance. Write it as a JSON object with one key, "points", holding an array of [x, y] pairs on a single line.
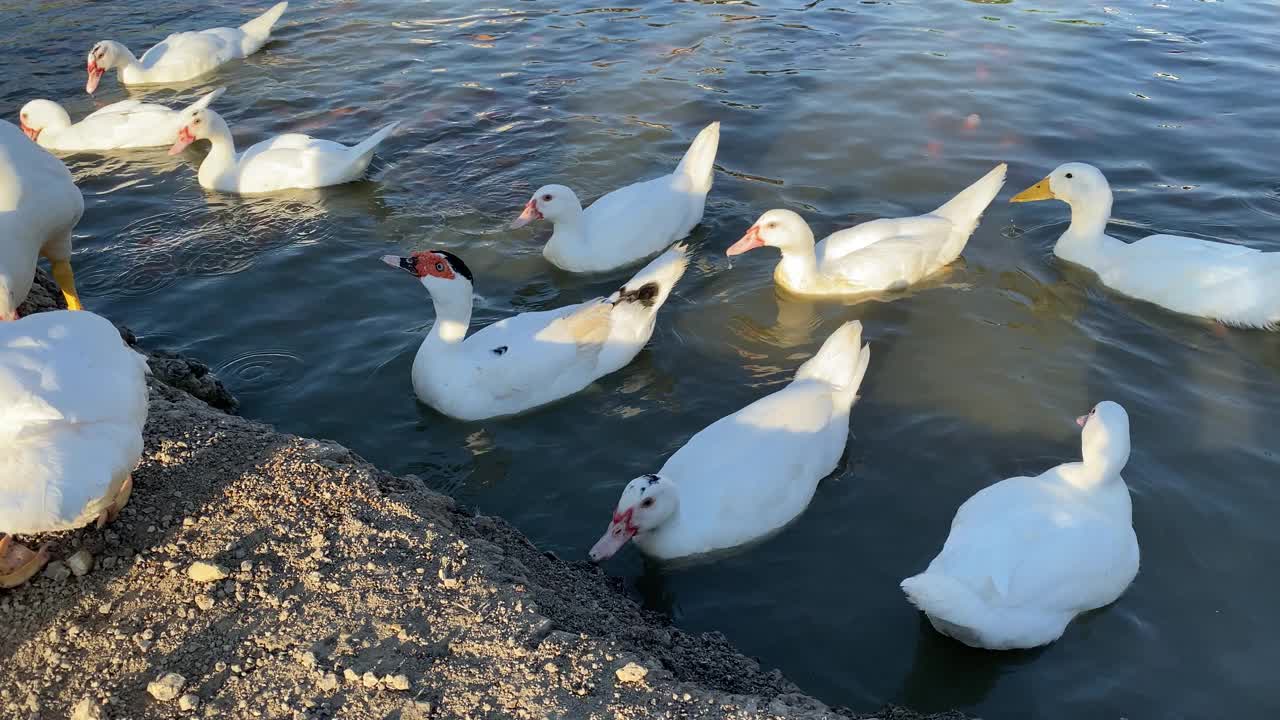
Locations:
{"points": [[81, 562], [206, 572], [166, 687], [57, 571]]}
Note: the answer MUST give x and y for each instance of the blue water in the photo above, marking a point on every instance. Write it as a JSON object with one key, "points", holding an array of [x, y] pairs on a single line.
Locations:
{"points": [[843, 111]]}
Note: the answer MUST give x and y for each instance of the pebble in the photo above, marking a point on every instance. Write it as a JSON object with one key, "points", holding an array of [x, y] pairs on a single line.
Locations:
{"points": [[329, 682], [204, 572], [631, 672], [246, 566], [104, 608], [204, 602], [166, 687], [396, 682], [81, 562], [188, 702], [350, 675], [88, 709], [308, 659], [57, 571], [369, 680]]}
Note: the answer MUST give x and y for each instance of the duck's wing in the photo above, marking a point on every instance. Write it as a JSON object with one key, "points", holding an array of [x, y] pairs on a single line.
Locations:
{"points": [[537, 350]]}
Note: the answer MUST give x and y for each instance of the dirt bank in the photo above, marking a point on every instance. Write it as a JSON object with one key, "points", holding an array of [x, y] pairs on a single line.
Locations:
{"points": [[333, 589]]}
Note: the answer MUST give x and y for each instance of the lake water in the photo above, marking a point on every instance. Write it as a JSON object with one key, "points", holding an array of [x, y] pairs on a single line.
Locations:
{"points": [[841, 110]]}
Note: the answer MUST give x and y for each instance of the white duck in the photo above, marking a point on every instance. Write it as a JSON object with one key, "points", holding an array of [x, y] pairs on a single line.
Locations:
{"points": [[182, 56], [748, 474], [289, 161], [879, 255], [530, 359], [118, 126], [39, 207], [630, 223], [73, 400], [1232, 284], [1028, 554]]}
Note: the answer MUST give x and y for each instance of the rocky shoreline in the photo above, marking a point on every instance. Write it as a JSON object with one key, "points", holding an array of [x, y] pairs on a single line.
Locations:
{"points": [[261, 575]]}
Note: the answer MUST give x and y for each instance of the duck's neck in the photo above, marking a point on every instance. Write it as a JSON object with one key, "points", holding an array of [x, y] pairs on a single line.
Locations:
{"points": [[130, 64], [569, 238], [222, 154], [1086, 242], [798, 268], [453, 317]]}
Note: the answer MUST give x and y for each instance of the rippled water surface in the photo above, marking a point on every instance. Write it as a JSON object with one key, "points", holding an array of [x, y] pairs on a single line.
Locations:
{"points": [[843, 111]]}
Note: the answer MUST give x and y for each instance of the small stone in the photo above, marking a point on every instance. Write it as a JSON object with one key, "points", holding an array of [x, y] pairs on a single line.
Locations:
{"points": [[246, 566], [166, 687], [57, 571], [204, 602], [329, 682], [369, 680], [81, 562], [104, 608], [204, 572], [396, 682], [88, 709], [189, 702], [350, 675], [308, 659], [631, 672]]}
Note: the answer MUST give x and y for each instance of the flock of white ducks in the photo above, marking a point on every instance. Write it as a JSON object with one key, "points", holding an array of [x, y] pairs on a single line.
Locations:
{"points": [[1023, 558]]}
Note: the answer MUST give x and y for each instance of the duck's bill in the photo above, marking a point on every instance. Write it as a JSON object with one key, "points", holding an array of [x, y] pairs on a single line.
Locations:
{"points": [[750, 241], [30, 132], [404, 263], [529, 215], [95, 74], [1082, 420], [8, 315], [607, 546], [185, 138], [1039, 191]]}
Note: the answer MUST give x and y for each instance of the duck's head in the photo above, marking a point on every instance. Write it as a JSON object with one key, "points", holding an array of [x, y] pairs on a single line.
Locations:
{"points": [[646, 503], [1105, 439], [1071, 183], [198, 123], [781, 229], [40, 115], [105, 55], [551, 202], [439, 271]]}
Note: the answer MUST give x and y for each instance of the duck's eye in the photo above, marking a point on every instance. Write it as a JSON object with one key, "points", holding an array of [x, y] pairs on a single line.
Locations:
{"points": [[647, 502], [1068, 176], [439, 267], [772, 225], [546, 198], [1093, 411]]}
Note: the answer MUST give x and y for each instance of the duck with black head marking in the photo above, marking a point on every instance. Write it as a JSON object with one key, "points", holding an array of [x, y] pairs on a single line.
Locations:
{"points": [[533, 358]]}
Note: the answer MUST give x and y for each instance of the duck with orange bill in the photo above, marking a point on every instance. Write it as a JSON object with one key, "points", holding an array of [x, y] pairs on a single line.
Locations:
{"points": [[876, 256], [39, 207], [746, 475], [1233, 284], [181, 56], [534, 358]]}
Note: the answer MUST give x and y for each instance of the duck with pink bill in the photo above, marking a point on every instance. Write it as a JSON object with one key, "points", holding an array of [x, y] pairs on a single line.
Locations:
{"points": [[285, 162], [1026, 555], [746, 475], [181, 56], [631, 223], [875, 256], [119, 126]]}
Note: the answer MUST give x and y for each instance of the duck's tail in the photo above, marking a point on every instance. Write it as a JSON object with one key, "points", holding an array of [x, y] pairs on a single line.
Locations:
{"points": [[945, 599], [204, 102], [841, 361], [261, 25], [965, 209], [699, 160], [367, 146], [650, 287]]}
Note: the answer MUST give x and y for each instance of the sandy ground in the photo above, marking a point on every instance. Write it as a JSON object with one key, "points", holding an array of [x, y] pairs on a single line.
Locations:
{"points": [[260, 575]]}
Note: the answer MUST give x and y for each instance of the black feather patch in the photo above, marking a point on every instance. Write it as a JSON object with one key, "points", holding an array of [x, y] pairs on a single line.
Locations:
{"points": [[499, 350], [651, 478], [646, 294], [457, 264]]}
